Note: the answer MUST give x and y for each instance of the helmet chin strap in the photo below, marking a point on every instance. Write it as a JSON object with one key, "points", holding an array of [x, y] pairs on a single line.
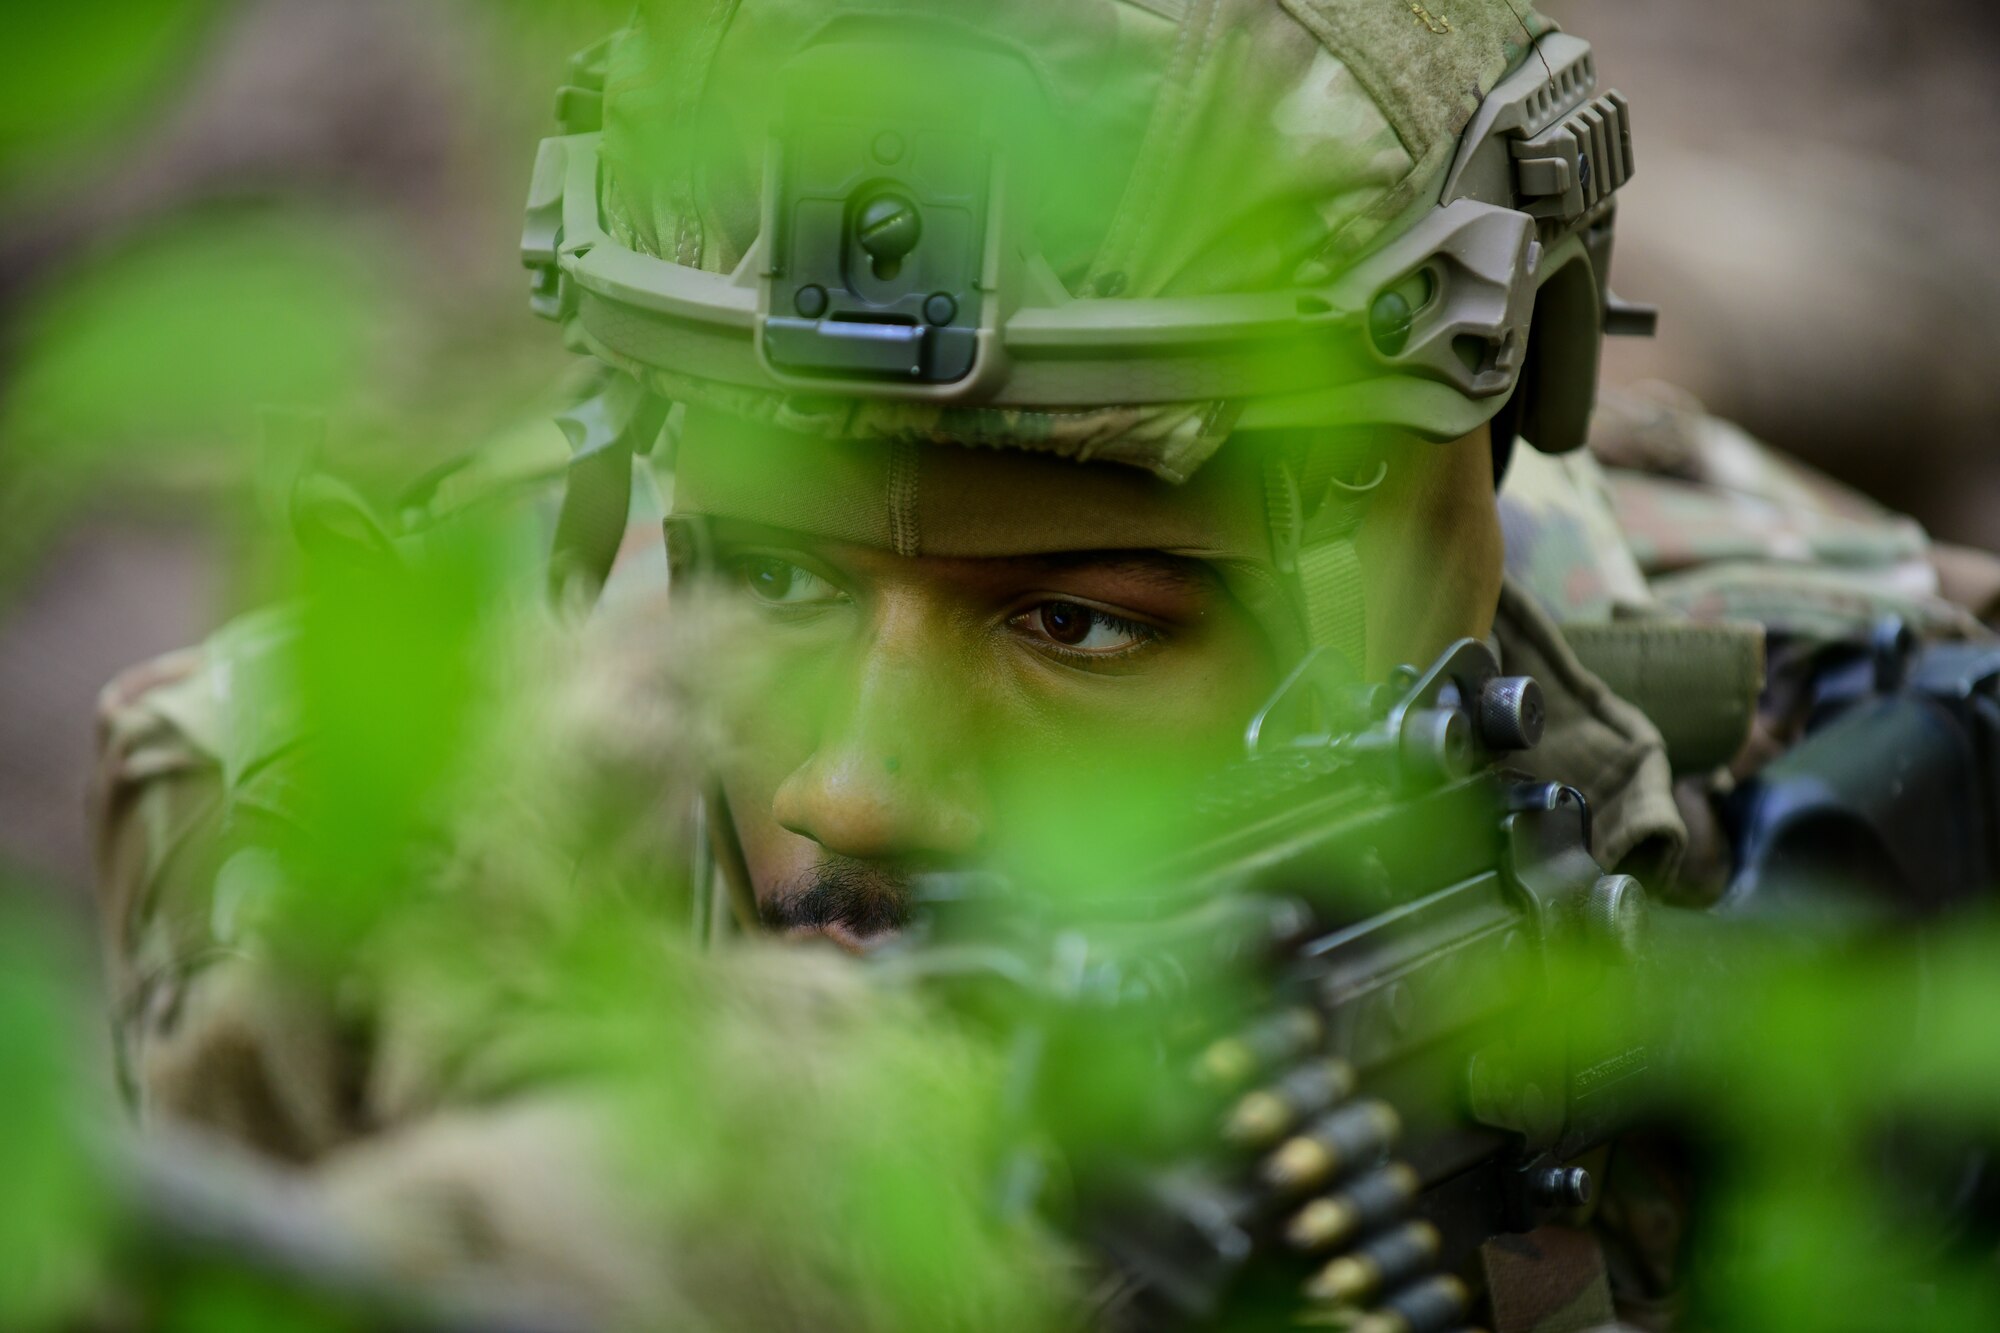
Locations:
{"points": [[718, 857], [605, 432], [719, 872], [1315, 500]]}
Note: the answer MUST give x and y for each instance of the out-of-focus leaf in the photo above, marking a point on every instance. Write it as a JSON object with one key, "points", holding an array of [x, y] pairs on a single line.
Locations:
{"points": [[72, 68], [222, 1300], [393, 677], [51, 1208], [191, 331], [179, 340]]}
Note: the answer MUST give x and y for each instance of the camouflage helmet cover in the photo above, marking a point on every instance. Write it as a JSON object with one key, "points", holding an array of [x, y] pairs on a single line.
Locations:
{"points": [[1190, 158]]}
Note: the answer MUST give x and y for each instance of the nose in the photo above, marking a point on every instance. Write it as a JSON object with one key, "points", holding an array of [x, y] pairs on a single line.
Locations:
{"points": [[892, 777]]}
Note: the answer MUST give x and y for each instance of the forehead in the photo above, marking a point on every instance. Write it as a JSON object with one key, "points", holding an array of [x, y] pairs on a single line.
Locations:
{"points": [[955, 502]]}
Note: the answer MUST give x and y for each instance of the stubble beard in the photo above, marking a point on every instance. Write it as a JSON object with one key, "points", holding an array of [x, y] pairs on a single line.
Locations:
{"points": [[846, 899]]}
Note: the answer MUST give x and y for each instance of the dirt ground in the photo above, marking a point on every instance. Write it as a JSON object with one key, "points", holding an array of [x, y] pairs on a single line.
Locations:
{"points": [[113, 591], [1814, 211]]}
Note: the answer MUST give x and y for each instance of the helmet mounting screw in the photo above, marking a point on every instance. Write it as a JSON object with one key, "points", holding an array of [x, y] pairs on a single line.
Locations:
{"points": [[888, 227]]}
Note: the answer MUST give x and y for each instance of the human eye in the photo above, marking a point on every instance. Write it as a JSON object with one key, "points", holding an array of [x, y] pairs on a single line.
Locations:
{"points": [[1077, 631], [777, 582]]}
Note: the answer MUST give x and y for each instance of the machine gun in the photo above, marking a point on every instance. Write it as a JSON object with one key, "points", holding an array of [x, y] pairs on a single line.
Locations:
{"points": [[1418, 908], [1390, 1126]]}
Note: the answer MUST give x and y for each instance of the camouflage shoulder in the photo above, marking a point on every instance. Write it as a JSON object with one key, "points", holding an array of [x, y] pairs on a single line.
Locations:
{"points": [[1724, 527], [1569, 557], [217, 708], [1564, 543], [180, 738]]}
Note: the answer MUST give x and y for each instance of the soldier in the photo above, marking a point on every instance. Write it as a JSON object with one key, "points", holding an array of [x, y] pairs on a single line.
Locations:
{"points": [[1049, 382]]}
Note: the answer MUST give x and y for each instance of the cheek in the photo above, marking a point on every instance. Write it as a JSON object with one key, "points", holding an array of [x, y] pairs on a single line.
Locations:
{"points": [[774, 855], [1106, 764], [783, 681], [780, 681], [1190, 700], [766, 748]]}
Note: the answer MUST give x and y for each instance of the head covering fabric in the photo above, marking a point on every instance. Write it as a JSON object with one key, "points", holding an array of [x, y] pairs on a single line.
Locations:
{"points": [[1429, 544], [1193, 147]]}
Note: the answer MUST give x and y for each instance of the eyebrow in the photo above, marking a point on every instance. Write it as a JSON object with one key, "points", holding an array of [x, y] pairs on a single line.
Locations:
{"points": [[1165, 573], [1170, 575]]}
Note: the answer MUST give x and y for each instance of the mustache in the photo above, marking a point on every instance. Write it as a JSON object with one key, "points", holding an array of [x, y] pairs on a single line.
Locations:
{"points": [[864, 898]]}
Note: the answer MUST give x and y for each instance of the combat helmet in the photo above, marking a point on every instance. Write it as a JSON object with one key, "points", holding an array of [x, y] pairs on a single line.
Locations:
{"points": [[1120, 231]]}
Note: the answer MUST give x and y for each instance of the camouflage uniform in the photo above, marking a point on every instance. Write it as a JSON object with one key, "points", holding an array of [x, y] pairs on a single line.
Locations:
{"points": [[1737, 570], [1677, 529]]}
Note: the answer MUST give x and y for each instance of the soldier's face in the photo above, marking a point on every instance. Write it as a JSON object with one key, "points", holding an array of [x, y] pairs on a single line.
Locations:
{"points": [[923, 713]]}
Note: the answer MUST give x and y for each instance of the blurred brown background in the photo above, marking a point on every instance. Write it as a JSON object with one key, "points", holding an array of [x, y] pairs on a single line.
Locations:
{"points": [[1814, 209]]}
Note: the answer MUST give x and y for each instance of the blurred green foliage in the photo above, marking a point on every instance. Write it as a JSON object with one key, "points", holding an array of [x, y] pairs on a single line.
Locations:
{"points": [[74, 71], [173, 342], [1843, 1101], [53, 1209], [185, 333], [220, 1298], [389, 680], [836, 1143]]}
